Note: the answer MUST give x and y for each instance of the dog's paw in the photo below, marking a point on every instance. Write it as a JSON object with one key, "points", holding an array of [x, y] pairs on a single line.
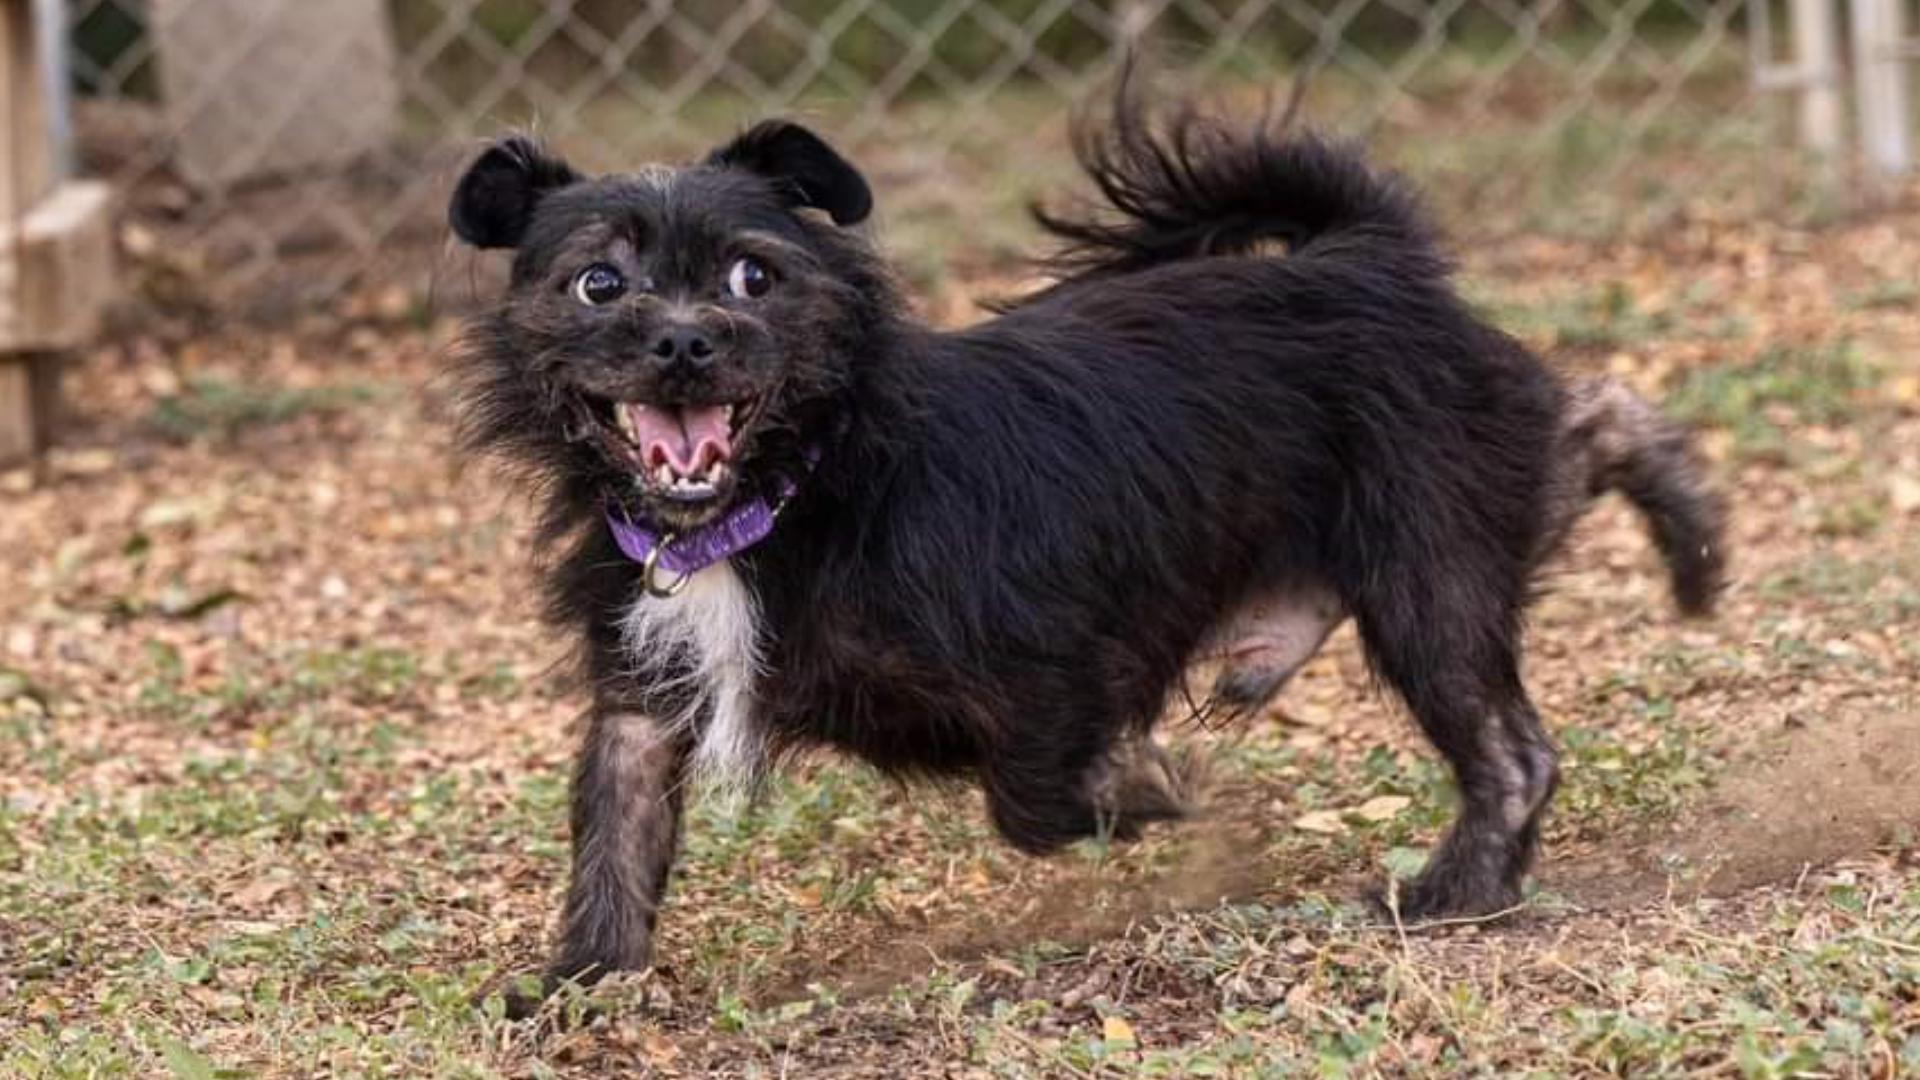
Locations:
{"points": [[1139, 783], [1433, 897], [563, 1003], [525, 1004], [522, 997]]}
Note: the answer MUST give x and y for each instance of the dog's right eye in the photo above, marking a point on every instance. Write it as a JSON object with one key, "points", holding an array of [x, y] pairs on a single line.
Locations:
{"points": [[598, 284]]}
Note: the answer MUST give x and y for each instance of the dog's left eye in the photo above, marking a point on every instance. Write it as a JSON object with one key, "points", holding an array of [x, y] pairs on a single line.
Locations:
{"points": [[598, 284], [747, 279]]}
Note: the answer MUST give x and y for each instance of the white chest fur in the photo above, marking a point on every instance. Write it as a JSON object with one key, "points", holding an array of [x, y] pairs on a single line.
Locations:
{"points": [[709, 633]]}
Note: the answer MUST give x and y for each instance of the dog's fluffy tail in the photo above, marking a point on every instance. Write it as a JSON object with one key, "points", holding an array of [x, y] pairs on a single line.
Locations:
{"points": [[1613, 439], [1182, 185]]}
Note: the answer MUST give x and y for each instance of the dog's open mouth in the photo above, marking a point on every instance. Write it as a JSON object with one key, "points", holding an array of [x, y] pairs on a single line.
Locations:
{"points": [[680, 452]]}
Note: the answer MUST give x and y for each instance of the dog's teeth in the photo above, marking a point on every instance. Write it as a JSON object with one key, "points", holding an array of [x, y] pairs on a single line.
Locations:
{"points": [[689, 488], [663, 475], [718, 474], [624, 413]]}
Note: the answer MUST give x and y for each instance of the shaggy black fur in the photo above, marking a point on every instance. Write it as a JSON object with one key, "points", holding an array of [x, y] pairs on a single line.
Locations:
{"points": [[1019, 535]]}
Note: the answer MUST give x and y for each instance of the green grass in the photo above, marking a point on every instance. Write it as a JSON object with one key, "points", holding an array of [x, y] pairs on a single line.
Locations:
{"points": [[1873, 592], [1598, 317], [1606, 316], [219, 408], [1763, 401], [1884, 295]]}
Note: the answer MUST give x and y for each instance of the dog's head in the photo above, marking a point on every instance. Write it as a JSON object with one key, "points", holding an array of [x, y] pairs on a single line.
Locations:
{"points": [[677, 334]]}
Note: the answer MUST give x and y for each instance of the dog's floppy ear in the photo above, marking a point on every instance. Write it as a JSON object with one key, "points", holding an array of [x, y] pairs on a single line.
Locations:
{"points": [[495, 199], [811, 172]]}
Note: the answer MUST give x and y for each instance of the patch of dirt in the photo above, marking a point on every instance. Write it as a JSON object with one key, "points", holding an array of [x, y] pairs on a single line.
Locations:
{"points": [[1827, 788], [1219, 862], [1834, 786]]}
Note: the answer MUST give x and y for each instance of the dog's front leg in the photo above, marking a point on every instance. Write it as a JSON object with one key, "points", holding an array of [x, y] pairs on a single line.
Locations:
{"points": [[626, 829]]}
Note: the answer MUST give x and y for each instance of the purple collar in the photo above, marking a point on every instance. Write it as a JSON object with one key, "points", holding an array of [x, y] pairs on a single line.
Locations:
{"points": [[686, 554]]}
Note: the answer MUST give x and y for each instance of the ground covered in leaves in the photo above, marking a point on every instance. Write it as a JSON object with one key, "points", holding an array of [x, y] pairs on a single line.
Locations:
{"points": [[282, 777]]}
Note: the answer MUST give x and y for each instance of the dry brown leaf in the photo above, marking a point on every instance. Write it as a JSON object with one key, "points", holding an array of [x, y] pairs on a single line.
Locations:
{"points": [[1381, 807], [1904, 492], [1324, 822]]}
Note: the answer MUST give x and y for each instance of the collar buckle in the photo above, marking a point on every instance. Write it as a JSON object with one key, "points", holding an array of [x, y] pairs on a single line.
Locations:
{"points": [[651, 565]]}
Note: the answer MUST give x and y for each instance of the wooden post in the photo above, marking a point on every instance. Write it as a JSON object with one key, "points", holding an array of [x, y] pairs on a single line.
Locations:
{"points": [[55, 245], [29, 169], [29, 404]]}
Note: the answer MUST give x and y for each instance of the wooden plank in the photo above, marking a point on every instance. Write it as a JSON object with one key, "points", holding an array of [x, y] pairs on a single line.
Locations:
{"points": [[56, 270], [56, 245], [27, 174], [45, 373], [19, 434], [30, 405], [271, 87], [25, 177], [56, 277]]}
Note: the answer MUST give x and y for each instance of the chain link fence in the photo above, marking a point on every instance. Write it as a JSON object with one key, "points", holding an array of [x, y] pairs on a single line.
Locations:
{"points": [[274, 152]]}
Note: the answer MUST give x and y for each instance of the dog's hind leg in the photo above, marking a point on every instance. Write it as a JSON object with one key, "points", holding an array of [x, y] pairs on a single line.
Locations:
{"points": [[1456, 664], [1505, 784], [1267, 638]]}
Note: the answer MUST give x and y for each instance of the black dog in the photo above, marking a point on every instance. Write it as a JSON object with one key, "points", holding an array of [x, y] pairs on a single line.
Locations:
{"points": [[787, 514]]}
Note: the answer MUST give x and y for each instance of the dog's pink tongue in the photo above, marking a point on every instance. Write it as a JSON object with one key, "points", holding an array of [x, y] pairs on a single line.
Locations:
{"points": [[687, 438]]}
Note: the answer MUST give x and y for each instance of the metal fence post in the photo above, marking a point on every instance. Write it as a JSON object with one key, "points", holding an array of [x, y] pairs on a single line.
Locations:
{"points": [[1816, 57], [1880, 82]]}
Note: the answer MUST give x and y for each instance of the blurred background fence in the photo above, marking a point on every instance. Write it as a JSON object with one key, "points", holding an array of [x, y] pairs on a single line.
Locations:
{"points": [[271, 153]]}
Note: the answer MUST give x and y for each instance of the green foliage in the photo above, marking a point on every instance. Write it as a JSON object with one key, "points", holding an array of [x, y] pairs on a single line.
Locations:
{"points": [[211, 406], [1762, 401]]}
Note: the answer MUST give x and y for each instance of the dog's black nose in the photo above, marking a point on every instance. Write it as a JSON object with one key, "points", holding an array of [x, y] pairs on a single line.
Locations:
{"points": [[681, 343]]}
